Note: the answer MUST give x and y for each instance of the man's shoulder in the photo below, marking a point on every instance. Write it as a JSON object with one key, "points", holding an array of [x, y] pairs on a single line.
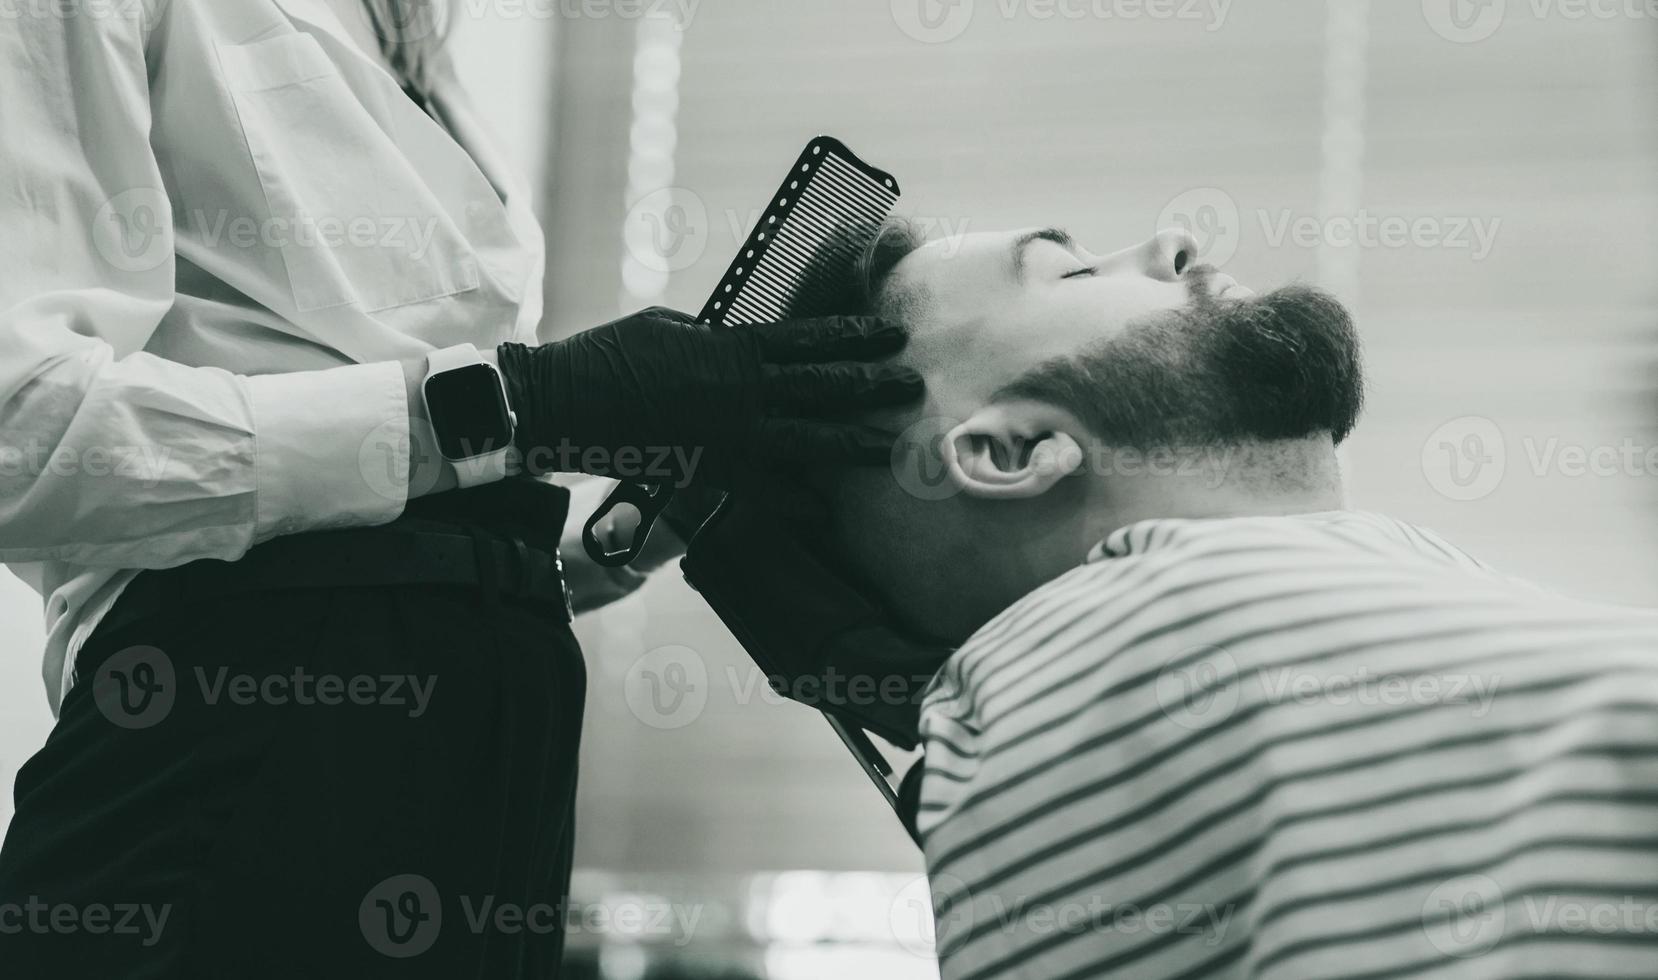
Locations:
{"points": [[1175, 584], [1360, 533]]}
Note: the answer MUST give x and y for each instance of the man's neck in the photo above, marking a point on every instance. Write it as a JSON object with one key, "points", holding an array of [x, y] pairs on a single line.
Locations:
{"points": [[1259, 479]]}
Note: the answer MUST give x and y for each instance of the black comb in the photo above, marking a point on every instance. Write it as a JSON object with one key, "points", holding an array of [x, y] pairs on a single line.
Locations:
{"points": [[823, 215], [827, 209]]}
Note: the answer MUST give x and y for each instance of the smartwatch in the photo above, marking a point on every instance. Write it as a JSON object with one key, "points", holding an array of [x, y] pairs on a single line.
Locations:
{"points": [[466, 403]]}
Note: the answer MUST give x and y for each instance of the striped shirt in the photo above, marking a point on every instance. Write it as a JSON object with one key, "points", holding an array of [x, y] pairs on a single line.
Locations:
{"points": [[1283, 747]]}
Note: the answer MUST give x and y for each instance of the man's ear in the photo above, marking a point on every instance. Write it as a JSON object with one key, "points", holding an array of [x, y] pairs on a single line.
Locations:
{"points": [[1012, 450]]}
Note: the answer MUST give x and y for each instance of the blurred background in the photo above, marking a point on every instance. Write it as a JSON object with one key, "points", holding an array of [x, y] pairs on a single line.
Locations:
{"points": [[1478, 180]]}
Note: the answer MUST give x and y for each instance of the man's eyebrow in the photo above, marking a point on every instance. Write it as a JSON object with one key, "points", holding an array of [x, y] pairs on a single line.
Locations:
{"points": [[1058, 236]]}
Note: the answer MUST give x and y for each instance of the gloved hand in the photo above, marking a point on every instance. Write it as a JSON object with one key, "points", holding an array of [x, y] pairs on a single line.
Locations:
{"points": [[658, 397]]}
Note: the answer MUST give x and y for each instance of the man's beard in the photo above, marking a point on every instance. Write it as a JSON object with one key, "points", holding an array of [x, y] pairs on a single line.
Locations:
{"points": [[1281, 365]]}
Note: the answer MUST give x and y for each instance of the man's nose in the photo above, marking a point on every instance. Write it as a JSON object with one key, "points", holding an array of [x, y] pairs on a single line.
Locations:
{"points": [[1166, 255]]}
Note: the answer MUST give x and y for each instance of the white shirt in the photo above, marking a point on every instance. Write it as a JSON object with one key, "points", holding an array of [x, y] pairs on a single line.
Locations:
{"points": [[223, 222], [1328, 745]]}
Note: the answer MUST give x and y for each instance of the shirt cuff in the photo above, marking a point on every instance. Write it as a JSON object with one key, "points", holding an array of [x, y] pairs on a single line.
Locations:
{"points": [[331, 448]]}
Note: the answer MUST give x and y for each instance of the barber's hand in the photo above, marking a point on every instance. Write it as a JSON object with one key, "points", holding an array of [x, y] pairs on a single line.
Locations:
{"points": [[659, 397]]}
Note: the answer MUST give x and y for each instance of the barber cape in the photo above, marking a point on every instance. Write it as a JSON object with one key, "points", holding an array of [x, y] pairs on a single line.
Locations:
{"points": [[1310, 746]]}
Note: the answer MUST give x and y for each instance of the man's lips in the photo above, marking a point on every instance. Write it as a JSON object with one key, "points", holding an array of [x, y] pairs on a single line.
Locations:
{"points": [[1223, 286]]}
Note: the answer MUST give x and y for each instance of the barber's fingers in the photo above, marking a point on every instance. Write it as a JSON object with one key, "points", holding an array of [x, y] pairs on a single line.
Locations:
{"points": [[797, 441], [826, 389], [830, 338]]}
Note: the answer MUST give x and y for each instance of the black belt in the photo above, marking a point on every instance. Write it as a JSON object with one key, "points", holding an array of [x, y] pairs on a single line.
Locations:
{"points": [[441, 541]]}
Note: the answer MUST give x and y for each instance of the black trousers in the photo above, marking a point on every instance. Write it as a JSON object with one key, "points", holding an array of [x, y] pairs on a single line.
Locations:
{"points": [[411, 817]]}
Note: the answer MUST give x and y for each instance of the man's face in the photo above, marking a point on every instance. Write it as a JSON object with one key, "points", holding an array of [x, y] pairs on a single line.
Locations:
{"points": [[1153, 350], [992, 305]]}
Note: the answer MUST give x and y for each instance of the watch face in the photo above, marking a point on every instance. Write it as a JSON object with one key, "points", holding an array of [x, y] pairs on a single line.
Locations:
{"points": [[469, 412]]}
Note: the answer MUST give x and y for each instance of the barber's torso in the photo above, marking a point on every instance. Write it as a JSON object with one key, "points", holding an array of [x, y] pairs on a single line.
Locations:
{"points": [[320, 217]]}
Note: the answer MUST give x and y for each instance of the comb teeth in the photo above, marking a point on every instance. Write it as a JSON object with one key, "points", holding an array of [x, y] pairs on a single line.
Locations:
{"points": [[825, 212]]}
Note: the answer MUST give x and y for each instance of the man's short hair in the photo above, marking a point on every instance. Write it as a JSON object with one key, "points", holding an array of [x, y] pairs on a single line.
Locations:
{"points": [[867, 288]]}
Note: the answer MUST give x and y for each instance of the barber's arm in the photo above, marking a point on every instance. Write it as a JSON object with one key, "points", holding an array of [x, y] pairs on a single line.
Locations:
{"points": [[109, 455]]}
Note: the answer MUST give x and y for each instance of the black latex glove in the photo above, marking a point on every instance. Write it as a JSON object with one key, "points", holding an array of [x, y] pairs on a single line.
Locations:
{"points": [[657, 397]]}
